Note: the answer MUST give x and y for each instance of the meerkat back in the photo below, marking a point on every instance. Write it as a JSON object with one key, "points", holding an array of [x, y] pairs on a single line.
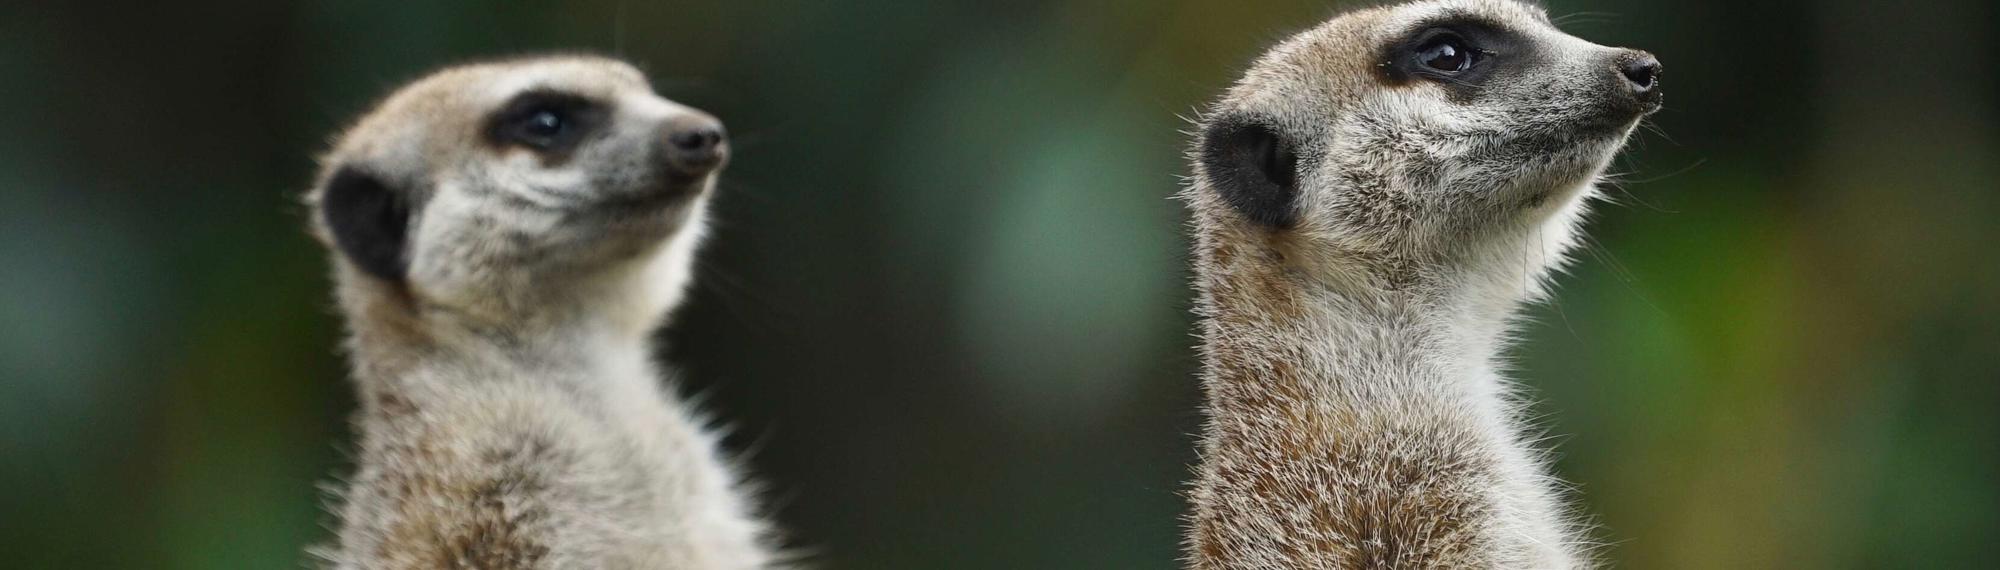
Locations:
{"points": [[505, 238]]}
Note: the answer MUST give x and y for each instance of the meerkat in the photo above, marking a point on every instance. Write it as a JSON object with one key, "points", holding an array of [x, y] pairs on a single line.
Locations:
{"points": [[506, 237], [1371, 204]]}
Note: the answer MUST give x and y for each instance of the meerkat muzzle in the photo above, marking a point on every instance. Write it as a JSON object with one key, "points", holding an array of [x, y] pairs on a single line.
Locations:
{"points": [[696, 144], [1640, 72]]}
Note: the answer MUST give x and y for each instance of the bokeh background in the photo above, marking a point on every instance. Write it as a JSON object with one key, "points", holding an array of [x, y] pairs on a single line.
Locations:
{"points": [[946, 307]]}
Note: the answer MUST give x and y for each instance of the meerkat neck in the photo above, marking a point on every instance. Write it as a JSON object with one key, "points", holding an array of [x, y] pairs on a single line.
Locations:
{"points": [[402, 346], [1376, 346], [1365, 425]]}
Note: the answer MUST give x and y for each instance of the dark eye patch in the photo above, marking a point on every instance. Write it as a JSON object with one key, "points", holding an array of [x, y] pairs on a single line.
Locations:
{"points": [[548, 122], [1460, 52], [1254, 168]]}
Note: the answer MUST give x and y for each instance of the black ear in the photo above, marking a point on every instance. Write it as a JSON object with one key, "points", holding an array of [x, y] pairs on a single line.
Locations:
{"points": [[1254, 168], [369, 221]]}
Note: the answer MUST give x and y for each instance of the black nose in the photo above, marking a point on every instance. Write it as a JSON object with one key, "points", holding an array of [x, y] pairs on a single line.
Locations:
{"points": [[697, 140], [1641, 71], [696, 144]]}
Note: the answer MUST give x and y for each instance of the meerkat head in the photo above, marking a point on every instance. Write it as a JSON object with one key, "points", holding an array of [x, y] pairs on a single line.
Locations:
{"points": [[1400, 143], [520, 189]]}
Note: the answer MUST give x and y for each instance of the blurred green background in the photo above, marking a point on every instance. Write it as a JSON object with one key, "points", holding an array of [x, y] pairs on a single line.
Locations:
{"points": [[945, 306]]}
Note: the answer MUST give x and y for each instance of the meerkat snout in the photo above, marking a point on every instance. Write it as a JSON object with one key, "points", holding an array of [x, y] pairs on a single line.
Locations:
{"points": [[1642, 69], [1642, 75], [696, 144]]}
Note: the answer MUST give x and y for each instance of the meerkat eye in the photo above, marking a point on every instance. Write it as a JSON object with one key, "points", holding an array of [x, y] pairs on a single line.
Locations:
{"points": [[547, 122], [541, 128], [1447, 53]]}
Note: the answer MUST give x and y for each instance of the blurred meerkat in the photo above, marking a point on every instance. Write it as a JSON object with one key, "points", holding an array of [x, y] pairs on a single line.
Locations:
{"points": [[507, 236], [1372, 202]]}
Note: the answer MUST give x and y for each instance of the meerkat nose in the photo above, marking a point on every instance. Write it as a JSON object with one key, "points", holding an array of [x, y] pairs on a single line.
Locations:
{"points": [[696, 143], [1642, 73]]}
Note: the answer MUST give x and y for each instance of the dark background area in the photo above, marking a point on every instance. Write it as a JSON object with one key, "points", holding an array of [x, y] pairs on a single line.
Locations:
{"points": [[945, 306]]}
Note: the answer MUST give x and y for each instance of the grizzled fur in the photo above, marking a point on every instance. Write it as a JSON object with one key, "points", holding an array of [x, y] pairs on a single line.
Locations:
{"points": [[1363, 238], [500, 299]]}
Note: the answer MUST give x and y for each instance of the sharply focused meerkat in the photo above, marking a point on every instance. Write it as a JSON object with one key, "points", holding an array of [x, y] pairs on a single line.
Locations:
{"points": [[507, 236], [1372, 202]]}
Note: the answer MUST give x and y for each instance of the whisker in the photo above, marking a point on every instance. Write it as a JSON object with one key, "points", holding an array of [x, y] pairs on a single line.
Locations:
{"points": [[1585, 17], [1682, 170], [618, 30], [1655, 128], [740, 301], [1623, 273]]}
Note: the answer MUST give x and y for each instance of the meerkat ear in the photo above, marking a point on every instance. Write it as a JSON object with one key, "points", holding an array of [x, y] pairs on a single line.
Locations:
{"points": [[369, 221], [1254, 168]]}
